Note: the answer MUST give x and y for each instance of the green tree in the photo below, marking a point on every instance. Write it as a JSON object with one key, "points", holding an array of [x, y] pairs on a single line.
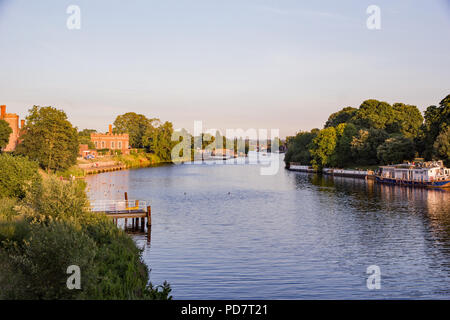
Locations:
{"points": [[396, 150], [442, 146], [407, 120], [159, 140], [17, 175], [136, 125], [49, 139], [364, 146], [437, 120], [342, 116], [323, 147], [5, 132], [343, 154], [298, 147], [374, 114], [84, 136]]}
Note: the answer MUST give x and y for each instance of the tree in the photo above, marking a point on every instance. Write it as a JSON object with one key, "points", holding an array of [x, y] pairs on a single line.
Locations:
{"points": [[49, 138], [442, 146], [136, 125], [17, 175], [323, 146], [84, 136], [298, 147], [374, 114], [343, 153], [5, 132], [407, 120], [160, 141], [364, 146], [437, 119], [396, 150], [342, 116]]}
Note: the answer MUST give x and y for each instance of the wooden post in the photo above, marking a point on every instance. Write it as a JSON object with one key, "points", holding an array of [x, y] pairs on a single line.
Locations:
{"points": [[149, 216], [126, 200], [142, 224], [149, 235], [126, 222]]}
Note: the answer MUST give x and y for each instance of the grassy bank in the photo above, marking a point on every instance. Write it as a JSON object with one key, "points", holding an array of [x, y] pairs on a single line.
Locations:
{"points": [[134, 160]]}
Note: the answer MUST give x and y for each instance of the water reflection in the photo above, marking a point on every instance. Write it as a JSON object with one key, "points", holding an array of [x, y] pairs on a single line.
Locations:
{"points": [[226, 232]]}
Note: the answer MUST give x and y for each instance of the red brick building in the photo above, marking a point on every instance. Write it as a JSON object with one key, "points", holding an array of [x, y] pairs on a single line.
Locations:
{"points": [[111, 141], [13, 121], [84, 151]]}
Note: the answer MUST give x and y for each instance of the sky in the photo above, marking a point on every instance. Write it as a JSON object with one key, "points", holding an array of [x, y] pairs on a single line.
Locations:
{"points": [[260, 64]]}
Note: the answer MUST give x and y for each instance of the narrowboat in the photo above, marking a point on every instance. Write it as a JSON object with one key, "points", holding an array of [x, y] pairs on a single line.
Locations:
{"points": [[430, 174]]}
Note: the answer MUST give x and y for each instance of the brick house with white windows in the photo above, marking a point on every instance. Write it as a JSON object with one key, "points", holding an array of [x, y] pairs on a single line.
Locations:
{"points": [[111, 141]]}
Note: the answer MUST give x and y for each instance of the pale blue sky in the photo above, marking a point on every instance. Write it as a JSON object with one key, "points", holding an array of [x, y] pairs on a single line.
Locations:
{"points": [[282, 64]]}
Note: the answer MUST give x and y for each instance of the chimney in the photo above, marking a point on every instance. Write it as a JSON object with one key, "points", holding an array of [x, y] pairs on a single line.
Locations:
{"points": [[3, 112], [22, 123], [110, 129]]}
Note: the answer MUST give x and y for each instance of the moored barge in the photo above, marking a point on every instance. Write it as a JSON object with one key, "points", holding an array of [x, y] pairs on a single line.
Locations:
{"points": [[430, 174]]}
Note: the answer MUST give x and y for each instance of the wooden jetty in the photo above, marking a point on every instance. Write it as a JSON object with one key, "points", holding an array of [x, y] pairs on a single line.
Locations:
{"points": [[135, 210]]}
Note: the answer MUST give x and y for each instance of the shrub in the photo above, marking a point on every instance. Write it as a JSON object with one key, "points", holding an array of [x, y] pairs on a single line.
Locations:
{"points": [[35, 268], [7, 208], [17, 174], [57, 198], [55, 231]]}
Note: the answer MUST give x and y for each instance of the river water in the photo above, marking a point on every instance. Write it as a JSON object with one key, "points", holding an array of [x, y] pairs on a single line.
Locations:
{"points": [[228, 232]]}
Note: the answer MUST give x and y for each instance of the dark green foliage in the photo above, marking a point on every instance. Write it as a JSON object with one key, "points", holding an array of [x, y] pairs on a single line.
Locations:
{"points": [[298, 147], [17, 174], [396, 150], [35, 267], [5, 132], [407, 120], [442, 146], [343, 154], [360, 132], [49, 139], [364, 146], [34, 259], [437, 120]]}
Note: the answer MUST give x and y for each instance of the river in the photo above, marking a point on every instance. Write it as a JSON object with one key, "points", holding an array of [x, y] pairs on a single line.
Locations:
{"points": [[228, 232]]}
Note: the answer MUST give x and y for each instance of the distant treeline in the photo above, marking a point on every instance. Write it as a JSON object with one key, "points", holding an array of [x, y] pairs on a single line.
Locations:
{"points": [[375, 133]]}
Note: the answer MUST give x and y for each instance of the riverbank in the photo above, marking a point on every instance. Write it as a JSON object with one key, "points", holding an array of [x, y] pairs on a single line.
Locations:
{"points": [[42, 215], [111, 163]]}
